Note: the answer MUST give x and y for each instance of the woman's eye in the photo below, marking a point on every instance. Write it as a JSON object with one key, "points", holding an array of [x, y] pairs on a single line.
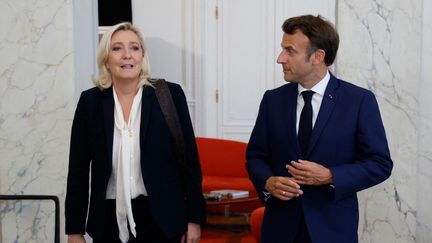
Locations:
{"points": [[116, 48], [135, 48]]}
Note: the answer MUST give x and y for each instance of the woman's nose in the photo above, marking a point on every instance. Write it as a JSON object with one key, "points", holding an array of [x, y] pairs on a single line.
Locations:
{"points": [[127, 54]]}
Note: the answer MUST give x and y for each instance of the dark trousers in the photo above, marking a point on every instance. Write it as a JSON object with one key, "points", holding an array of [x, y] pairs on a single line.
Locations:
{"points": [[302, 235], [146, 227]]}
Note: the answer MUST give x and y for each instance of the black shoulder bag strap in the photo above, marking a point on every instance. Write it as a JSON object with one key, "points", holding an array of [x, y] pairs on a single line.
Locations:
{"points": [[169, 111]]}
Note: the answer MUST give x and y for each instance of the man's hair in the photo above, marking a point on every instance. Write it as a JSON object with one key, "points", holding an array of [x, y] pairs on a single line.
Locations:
{"points": [[104, 80], [321, 34]]}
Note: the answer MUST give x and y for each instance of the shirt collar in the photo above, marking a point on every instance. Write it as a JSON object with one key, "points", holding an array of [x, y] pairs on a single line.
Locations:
{"points": [[318, 88]]}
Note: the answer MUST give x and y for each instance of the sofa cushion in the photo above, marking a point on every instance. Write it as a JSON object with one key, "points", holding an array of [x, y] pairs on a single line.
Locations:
{"points": [[223, 167], [221, 157]]}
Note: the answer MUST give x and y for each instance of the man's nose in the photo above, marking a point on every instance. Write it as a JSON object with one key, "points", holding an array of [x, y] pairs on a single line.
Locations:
{"points": [[281, 58]]}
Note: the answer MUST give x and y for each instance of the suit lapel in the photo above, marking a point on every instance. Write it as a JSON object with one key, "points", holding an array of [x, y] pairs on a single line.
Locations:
{"points": [[291, 110], [108, 119], [148, 97], [328, 103]]}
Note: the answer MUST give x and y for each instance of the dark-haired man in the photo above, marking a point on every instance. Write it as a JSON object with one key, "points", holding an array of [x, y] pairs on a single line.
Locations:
{"points": [[317, 141]]}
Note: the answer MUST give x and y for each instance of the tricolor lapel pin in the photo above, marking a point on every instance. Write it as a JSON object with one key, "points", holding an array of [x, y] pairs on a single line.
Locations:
{"points": [[330, 96]]}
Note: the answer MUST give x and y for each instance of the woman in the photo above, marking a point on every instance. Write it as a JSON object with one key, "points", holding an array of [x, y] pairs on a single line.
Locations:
{"points": [[121, 139]]}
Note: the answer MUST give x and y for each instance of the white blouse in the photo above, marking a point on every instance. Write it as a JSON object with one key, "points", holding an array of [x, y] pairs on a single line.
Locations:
{"points": [[126, 181]]}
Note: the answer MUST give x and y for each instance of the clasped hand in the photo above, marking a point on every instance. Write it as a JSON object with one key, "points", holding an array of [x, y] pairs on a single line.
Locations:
{"points": [[303, 172]]}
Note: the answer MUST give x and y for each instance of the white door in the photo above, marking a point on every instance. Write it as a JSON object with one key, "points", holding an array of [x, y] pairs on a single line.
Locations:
{"points": [[242, 44], [245, 64]]}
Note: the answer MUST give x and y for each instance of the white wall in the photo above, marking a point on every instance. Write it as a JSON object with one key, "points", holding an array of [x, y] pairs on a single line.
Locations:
{"points": [[167, 32], [85, 27]]}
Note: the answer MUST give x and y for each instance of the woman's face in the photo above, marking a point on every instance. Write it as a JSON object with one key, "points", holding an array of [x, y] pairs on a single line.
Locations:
{"points": [[125, 57]]}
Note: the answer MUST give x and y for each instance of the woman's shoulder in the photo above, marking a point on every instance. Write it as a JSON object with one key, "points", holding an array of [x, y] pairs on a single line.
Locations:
{"points": [[174, 86], [94, 95], [95, 92], [176, 91]]}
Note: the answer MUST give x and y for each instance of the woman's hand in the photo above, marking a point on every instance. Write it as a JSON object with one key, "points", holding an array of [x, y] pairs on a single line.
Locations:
{"points": [[193, 234], [76, 238]]}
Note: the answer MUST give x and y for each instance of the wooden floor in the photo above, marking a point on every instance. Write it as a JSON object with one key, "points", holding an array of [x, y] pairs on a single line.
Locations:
{"points": [[232, 228]]}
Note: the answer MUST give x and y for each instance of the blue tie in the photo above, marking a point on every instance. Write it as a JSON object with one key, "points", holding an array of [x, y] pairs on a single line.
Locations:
{"points": [[305, 123]]}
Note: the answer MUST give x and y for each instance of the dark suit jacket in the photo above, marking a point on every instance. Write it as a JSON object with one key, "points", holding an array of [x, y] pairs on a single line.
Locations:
{"points": [[92, 145], [348, 138]]}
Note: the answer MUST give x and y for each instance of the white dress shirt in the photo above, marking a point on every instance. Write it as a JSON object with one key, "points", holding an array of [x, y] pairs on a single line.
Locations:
{"points": [[317, 97]]}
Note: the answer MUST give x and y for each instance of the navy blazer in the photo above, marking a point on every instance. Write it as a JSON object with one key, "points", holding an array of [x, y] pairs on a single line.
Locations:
{"points": [[92, 145], [348, 138]]}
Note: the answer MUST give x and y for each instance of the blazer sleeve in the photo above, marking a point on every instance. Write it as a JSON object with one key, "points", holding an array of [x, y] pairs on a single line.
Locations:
{"points": [[258, 152], [76, 201], [195, 200], [373, 163]]}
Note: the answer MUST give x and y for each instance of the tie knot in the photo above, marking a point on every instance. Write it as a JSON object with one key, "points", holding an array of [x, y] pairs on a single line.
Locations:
{"points": [[307, 95]]}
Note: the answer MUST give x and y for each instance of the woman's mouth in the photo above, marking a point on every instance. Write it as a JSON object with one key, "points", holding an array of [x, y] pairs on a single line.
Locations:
{"points": [[127, 66]]}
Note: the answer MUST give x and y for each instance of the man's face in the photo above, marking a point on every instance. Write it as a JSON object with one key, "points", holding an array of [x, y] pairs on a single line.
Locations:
{"points": [[296, 64]]}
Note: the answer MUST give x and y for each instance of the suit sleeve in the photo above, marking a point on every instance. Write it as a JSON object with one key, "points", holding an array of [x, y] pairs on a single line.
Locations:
{"points": [[78, 175], [195, 200], [258, 153], [373, 163]]}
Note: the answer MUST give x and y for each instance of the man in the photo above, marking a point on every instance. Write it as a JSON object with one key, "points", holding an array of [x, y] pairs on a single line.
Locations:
{"points": [[317, 141]]}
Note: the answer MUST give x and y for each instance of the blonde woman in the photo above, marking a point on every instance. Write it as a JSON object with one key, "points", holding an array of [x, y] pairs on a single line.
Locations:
{"points": [[121, 143]]}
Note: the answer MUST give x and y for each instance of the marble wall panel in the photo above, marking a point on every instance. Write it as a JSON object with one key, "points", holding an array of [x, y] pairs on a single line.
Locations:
{"points": [[424, 171], [36, 108], [381, 50]]}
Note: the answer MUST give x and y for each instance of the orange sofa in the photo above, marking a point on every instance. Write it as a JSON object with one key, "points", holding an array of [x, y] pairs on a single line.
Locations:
{"points": [[223, 167], [255, 222]]}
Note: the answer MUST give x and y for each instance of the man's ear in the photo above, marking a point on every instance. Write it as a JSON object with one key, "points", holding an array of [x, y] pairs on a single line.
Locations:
{"points": [[318, 56]]}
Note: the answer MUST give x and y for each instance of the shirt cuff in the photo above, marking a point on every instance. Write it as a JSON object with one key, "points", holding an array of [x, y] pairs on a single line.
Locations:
{"points": [[267, 195]]}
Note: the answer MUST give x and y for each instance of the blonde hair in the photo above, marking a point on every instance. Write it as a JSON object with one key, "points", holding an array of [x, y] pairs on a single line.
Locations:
{"points": [[104, 81]]}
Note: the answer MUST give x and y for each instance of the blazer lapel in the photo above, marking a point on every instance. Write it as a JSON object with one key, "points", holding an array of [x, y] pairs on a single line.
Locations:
{"points": [[291, 110], [108, 116], [108, 119], [148, 97], [328, 103]]}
